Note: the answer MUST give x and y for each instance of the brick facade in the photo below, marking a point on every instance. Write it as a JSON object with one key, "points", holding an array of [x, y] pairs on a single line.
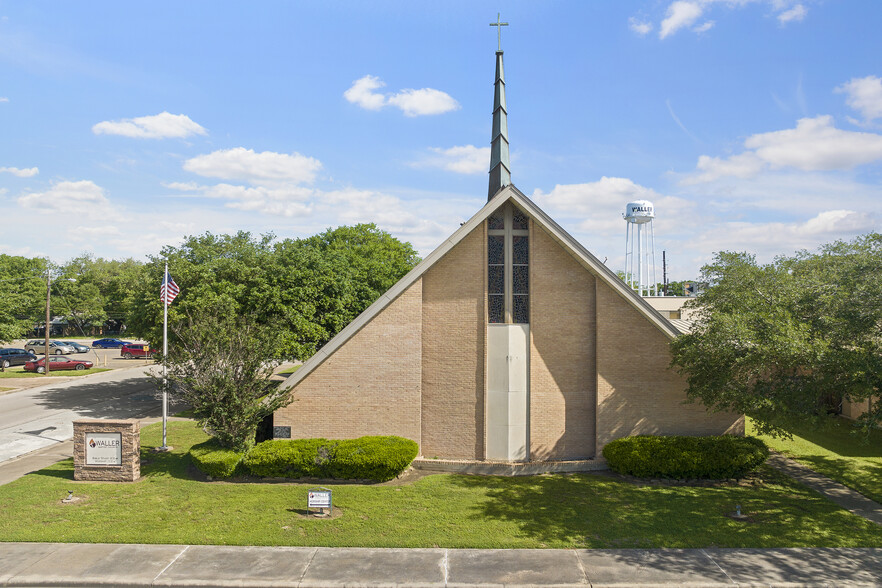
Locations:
{"points": [[637, 393], [370, 385], [598, 366], [562, 329], [454, 335]]}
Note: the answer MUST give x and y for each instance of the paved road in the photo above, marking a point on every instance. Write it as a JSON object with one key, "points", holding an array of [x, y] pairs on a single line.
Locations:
{"points": [[39, 417]]}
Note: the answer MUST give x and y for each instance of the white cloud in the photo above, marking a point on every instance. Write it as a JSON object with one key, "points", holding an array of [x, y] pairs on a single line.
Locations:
{"points": [[864, 95], [4, 99], [685, 14], [463, 159], [75, 198], [160, 126], [246, 165], [426, 101], [640, 27], [289, 201], [797, 13], [814, 145], [744, 165], [680, 14], [28, 172], [362, 93]]}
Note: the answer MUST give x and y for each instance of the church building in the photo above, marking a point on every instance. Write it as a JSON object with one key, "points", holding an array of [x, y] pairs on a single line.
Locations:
{"points": [[510, 343]]}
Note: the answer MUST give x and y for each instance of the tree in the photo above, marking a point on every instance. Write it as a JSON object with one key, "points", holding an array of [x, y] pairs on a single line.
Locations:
{"points": [[23, 291], [220, 366], [310, 287], [775, 341]]}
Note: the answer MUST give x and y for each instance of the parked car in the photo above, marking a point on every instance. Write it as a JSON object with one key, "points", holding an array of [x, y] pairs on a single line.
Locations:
{"points": [[57, 364], [130, 350], [55, 347], [78, 347], [109, 343], [13, 356]]}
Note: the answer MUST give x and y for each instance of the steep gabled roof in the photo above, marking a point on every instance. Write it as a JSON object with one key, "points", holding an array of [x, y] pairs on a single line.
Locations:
{"points": [[570, 244]]}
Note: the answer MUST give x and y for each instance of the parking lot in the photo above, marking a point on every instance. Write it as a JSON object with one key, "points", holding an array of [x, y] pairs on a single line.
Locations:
{"points": [[102, 358]]}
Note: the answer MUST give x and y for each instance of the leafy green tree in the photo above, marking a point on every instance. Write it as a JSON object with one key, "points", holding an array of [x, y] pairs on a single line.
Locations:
{"points": [[221, 366], [23, 292], [775, 341], [311, 288]]}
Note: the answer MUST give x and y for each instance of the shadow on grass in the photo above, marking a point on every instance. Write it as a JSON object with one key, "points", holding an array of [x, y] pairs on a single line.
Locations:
{"points": [[840, 435]]}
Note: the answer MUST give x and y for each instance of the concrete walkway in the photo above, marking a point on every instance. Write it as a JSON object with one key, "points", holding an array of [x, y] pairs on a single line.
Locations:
{"points": [[833, 491], [53, 564]]}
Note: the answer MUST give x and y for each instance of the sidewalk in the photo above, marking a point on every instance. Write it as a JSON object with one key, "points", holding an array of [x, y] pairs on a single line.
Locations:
{"points": [[52, 564]]}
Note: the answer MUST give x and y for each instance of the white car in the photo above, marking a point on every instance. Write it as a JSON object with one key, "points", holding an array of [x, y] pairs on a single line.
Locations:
{"points": [[38, 346]]}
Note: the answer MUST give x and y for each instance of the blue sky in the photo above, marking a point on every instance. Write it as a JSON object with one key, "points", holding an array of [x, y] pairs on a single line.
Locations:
{"points": [[751, 124]]}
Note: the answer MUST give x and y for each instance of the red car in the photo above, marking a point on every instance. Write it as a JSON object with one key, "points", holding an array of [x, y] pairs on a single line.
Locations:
{"points": [[130, 350], [57, 363]]}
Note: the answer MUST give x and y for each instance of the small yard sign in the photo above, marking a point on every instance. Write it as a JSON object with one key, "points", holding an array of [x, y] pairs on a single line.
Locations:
{"points": [[318, 498]]}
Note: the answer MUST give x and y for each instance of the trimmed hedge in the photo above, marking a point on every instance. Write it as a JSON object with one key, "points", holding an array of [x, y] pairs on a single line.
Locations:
{"points": [[373, 458], [378, 458], [218, 462], [710, 458], [295, 458]]}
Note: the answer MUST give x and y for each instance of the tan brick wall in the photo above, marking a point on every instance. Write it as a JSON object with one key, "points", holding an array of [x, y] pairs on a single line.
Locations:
{"points": [[562, 330], [454, 328], [636, 391], [130, 440], [854, 410], [368, 386]]}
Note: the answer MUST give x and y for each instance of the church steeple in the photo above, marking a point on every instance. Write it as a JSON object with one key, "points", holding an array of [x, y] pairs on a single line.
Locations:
{"points": [[500, 167]]}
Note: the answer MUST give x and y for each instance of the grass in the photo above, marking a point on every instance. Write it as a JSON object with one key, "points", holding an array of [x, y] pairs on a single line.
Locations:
{"points": [[838, 452], [171, 505], [20, 373], [2, 389], [289, 371]]}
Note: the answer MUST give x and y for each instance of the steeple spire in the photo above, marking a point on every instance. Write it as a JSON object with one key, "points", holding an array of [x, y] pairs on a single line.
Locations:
{"points": [[500, 168]]}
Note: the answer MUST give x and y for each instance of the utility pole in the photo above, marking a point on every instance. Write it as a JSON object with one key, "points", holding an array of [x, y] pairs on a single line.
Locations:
{"points": [[48, 289], [664, 274]]}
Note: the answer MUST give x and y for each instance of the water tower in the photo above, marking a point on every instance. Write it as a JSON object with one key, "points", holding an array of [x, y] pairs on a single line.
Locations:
{"points": [[640, 248]]}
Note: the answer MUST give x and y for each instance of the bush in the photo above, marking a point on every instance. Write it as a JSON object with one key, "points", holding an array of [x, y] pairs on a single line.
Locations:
{"points": [[218, 462], [296, 458], [711, 458], [373, 458], [365, 458]]}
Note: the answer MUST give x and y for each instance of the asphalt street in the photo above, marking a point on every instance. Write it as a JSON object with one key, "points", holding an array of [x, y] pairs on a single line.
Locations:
{"points": [[36, 418]]}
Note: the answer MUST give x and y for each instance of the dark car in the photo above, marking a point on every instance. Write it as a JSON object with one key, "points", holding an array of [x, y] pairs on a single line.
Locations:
{"points": [[108, 344], [78, 347], [57, 364], [13, 356], [130, 350]]}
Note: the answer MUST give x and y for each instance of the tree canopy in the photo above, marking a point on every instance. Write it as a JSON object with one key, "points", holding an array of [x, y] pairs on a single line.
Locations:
{"points": [[780, 341], [310, 287]]}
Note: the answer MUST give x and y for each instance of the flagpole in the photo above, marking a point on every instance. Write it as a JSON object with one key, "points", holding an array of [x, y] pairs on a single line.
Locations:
{"points": [[164, 363]]}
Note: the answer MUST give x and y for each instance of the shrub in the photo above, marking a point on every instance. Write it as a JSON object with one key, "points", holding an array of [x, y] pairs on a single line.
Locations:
{"points": [[295, 458], [218, 462], [365, 458], [373, 458], [713, 458]]}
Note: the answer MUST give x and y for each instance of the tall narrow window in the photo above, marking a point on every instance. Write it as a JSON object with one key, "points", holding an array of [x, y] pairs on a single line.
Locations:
{"points": [[508, 270]]}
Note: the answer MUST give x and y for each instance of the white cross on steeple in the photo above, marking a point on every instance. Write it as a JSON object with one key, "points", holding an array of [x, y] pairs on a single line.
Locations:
{"points": [[499, 26]]}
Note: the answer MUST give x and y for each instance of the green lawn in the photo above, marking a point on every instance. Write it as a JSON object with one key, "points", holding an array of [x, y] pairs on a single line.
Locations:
{"points": [[288, 371], [18, 372], [837, 452], [170, 505]]}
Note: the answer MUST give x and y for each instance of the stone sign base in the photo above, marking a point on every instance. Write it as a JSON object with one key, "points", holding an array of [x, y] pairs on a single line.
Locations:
{"points": [[107, 450]]}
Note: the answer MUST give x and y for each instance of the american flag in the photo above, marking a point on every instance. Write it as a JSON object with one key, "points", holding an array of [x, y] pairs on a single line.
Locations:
{"points": [[169, 290]]}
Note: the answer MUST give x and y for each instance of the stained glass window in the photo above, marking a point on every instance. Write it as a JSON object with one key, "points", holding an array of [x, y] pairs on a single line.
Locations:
{"points": [[508, 270]]}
